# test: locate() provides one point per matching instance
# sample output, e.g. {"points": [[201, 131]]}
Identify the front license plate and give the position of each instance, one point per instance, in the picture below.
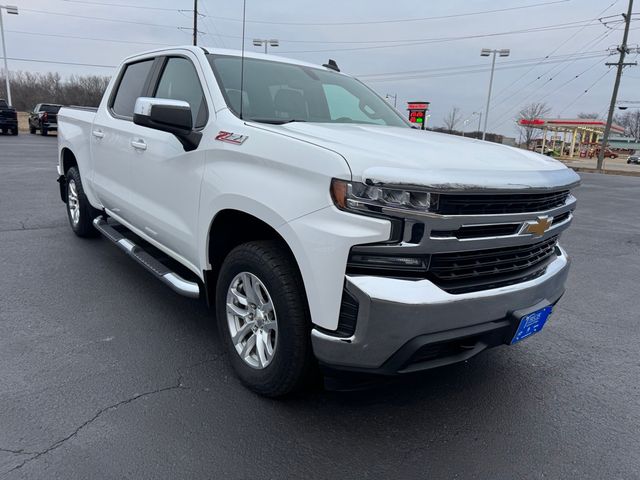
{"points": [[531, 323]]}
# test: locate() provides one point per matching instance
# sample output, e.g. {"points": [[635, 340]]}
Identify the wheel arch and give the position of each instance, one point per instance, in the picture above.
{"points": [[67, 160], [230, 228]]}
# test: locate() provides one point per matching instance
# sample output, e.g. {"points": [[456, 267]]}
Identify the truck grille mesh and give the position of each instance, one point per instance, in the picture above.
{"points": [[463, 272], [470, 204]]}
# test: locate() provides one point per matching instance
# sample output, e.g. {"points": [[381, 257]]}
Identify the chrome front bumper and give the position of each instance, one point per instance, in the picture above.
{"points": [[396, 317]]}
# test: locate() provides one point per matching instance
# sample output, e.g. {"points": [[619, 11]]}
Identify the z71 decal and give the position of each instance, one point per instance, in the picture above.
{"points": [[229, 137]]}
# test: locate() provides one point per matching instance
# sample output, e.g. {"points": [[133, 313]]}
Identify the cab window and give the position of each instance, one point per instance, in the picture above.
{"points": [[131, 87], [179, 81]]}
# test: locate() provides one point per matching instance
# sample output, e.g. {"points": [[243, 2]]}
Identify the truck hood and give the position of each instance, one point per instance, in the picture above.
{"points": [[406, 156]]}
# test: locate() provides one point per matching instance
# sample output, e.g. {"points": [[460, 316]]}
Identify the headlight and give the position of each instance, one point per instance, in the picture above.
{"points": [[366, 198]]}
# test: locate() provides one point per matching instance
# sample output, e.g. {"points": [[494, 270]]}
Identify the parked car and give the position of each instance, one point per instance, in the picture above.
{"points": [[608, 153], [546, 151], [8, 118], [44, 117], [322, 228], [634, 159]]}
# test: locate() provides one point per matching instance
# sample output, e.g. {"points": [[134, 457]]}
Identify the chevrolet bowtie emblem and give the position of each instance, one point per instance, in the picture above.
{"points": [[538, 227]]}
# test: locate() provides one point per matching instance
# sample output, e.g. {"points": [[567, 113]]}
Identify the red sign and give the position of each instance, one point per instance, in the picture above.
{"points": [[416, 116], [418, 105]]}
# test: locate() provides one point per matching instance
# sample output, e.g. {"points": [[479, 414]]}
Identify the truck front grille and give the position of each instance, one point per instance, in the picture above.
{"points": [[463, 272], [486, 204]]}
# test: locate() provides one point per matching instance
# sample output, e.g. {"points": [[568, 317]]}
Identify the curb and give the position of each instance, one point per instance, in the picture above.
{"points": [[605, 172]]}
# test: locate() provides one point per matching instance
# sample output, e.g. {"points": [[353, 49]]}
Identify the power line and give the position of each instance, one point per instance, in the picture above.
{"points": [[101, 18], [526, 60], [554, 75], [560, 45], [122, 5], [404, 20], [87, 38], [594, 42], [572, 102], [507, 118], [17, 59], [469, 71], [437, 39], [209, 19], [506, 113]]}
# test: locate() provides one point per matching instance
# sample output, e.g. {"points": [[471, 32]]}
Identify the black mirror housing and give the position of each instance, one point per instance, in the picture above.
{"points": [[171, 116]]}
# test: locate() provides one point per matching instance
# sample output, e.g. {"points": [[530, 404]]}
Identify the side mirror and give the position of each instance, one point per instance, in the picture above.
{"points": [[172, 116]]}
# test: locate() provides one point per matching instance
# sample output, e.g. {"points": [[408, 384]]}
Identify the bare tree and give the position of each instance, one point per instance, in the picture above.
{"points": [[452, 119], [587, 115], [630, 121], [531, 112], [29, 89]]}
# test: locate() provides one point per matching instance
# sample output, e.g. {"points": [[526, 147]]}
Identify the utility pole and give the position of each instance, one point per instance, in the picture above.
{"points": [[11, 10], [195, 22], [623, 51]]}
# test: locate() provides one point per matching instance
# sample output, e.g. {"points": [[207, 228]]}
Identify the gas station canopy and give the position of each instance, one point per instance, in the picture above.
{"points": [[581, 134], [585, 124]]}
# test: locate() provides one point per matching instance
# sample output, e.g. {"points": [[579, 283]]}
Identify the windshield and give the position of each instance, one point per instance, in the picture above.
{"points": [[276, 92], [50, 108]]}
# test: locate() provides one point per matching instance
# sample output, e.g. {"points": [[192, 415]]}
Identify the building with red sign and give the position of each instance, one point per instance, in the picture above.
{"points": [[578, 134]]}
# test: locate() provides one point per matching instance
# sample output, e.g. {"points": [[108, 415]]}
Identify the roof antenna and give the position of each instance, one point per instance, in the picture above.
{"points": [[244, 16], [332, 65]]}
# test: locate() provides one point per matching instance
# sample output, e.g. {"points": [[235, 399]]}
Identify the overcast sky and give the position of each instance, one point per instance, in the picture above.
{"points": [[366, 38]]}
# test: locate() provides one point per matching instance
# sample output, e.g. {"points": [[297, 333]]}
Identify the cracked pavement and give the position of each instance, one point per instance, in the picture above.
{"points": [[105, 373]]}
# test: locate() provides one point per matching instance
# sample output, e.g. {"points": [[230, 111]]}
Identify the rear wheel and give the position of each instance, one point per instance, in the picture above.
{"points": [[79, 210], [4, 131], [263, 318], [14, 131]]}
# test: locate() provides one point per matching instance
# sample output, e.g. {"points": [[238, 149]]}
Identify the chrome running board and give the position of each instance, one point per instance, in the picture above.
{"points": [[159, 270]]}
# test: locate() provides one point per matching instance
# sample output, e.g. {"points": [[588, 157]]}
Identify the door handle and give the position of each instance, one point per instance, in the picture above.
{"points": [[98, 133], [139, 144]]}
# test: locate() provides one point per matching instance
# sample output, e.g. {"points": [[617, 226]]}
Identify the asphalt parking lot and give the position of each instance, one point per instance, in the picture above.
{"points": [[105, 373]]}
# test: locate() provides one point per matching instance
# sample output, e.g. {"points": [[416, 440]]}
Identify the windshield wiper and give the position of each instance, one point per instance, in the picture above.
{"points": [[274, 121]]}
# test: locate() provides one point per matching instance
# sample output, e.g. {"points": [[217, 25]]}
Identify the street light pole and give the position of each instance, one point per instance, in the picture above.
{"points": [[11, 10], [485, 52], [479, 119], [258, 42]]}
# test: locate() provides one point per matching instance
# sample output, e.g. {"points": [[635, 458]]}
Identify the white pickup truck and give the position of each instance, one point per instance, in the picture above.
{"points": [[324, 229]]}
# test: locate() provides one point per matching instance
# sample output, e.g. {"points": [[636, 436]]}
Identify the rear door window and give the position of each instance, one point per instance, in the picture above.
{"points": [[131, 87]]}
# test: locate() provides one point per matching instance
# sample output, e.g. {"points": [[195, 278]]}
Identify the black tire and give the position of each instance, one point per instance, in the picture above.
{"points": [[83, 227], [14, 131], [4, 131], [292, 362], [32, 130], [43, 132]]}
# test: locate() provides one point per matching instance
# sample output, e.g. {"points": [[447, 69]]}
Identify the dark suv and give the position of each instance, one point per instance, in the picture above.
{"points": [[44, 117], [8, 118], [634, 159]]}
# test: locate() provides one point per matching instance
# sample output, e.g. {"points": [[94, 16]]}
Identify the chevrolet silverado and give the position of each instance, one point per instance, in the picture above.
{"points": [[321, 227]]}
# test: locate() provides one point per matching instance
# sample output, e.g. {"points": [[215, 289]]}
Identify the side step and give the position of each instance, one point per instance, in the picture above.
{"points": [[160, 271]]}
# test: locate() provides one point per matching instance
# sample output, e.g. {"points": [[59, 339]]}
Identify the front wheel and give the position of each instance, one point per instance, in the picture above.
{"points": [[263, 318], [43, 132], [79, 210]]}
